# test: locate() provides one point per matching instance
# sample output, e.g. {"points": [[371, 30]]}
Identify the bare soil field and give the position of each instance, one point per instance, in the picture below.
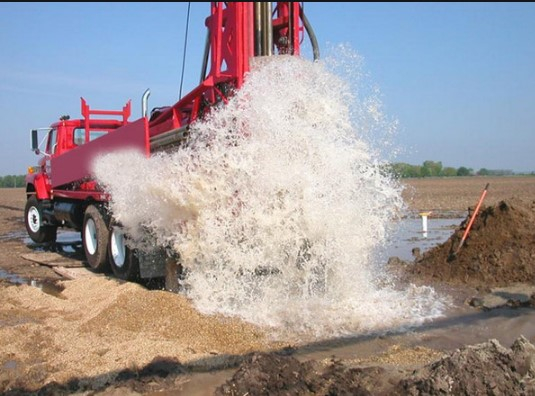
{"points": [[95, 335], [457, 194]]}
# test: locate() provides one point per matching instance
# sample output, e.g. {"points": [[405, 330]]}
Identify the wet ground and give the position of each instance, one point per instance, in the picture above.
{"points": [[413, 234], [35, 326]]}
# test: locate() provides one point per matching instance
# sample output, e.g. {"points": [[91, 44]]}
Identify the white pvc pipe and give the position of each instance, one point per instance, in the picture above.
{"points": [[424, 222]]}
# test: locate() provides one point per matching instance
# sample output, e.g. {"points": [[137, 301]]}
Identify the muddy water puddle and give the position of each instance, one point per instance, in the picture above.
{"points": [[463, 326], [47, 287], [69, 242], [13, 235], [417, 233]]}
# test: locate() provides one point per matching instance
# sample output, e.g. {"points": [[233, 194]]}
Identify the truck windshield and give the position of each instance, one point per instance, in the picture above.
{"points": [[79, 135]]}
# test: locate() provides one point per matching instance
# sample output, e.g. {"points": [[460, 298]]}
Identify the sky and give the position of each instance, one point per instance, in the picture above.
{"points": [[459, 78]]}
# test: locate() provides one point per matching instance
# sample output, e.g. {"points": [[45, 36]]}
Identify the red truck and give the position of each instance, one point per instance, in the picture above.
{"points": [[61, 191]]}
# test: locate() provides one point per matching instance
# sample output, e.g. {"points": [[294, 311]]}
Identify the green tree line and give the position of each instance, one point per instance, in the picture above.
{"points": [[10, 181], [435, 169]]}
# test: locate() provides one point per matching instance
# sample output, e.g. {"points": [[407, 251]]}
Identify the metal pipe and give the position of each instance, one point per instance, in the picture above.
{"points": [[291, 29], [268, 29], [263, 28], [169, 138], [258, 29], [145, 102]]}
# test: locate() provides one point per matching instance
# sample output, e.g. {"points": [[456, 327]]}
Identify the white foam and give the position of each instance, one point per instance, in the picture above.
{"points": [[277, 206]]}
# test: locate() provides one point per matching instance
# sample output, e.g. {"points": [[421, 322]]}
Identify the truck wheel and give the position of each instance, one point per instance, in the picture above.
{"points": [[33, 219], [123, 260], [95, 239]]}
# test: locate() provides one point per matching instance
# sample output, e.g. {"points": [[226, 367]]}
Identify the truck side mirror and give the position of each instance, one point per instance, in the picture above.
{"points": [[35, 142]]}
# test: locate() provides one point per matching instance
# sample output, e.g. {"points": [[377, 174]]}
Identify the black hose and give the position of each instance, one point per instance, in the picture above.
{"points": [[311, 34]]}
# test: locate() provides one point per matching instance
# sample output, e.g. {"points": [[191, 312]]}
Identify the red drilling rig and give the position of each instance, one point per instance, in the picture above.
{"points": [[61, 191]]}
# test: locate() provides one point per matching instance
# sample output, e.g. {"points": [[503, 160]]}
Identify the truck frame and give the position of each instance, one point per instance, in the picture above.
{"points": [[61, 191]]}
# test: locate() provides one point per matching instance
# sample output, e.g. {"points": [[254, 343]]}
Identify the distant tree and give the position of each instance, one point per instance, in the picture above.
{"points": [[463, 171], [432, 168], [501, 172], [425, 171], [416, 171], [10, 181], [449, 171], [401, 169]]}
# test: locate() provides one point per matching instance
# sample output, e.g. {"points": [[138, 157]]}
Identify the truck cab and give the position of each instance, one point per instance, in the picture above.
{"points": [[66, 136], [60, 191]]}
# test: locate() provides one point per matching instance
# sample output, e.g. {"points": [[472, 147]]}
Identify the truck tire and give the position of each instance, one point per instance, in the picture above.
{"points": [[95, 238], [123, 260], [33, 219]]}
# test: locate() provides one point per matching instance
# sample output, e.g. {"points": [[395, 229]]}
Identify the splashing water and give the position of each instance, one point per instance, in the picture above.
{"points": [[276, 207]]}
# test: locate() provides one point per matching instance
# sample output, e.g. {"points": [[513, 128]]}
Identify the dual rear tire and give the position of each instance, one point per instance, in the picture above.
{"points": [[95, 236], [123, 260], [105, 246]]}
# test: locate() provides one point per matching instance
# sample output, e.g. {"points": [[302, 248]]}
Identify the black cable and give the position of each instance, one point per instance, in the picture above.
{"points": [[184, 55]]}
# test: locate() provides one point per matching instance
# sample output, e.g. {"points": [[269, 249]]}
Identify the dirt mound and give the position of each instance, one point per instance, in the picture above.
{"points": [[484, 369], [487, 368], [273, 374], [498, 251]]}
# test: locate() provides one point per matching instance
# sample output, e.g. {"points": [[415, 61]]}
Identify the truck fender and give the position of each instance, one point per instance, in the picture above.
{"points": [[42, 186]]}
